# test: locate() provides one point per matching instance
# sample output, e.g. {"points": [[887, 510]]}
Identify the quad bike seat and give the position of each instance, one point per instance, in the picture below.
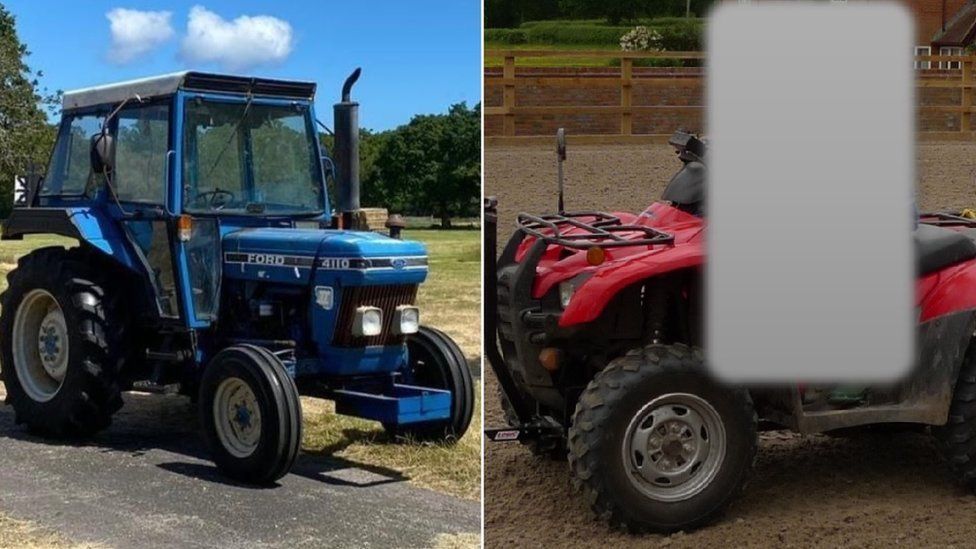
{"points": [[938, 247]]}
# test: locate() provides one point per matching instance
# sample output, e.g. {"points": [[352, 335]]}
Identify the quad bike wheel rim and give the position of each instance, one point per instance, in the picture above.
{"points": [[40, 345], [674, 447], [237, 417]]}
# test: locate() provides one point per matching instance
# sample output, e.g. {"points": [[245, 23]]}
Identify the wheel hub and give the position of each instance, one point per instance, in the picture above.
{"points": [[674, 446], [237, 417], [40, 345], [50, 344]]}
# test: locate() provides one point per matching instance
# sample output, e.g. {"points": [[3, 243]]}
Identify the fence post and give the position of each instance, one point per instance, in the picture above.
{"points": [[626, 95], [508, 99], [965, 117]]}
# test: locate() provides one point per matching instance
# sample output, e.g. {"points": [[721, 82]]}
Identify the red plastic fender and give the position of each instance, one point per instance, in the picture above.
{"points": [[590, 299], [948, 291]]}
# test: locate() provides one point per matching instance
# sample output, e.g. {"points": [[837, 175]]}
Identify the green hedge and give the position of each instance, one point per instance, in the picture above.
{"points": [[506, 36], [677, 33]]}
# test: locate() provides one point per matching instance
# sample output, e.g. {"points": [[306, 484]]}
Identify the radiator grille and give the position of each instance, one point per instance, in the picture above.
{"points": [[387, 298]]}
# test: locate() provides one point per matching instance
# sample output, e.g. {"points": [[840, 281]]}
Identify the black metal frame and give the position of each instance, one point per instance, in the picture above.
{"points": [[603, 232], [531, 426]]}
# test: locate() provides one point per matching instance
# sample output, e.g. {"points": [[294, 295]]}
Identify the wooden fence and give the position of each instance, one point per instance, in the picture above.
{"points": [[945, 72]]}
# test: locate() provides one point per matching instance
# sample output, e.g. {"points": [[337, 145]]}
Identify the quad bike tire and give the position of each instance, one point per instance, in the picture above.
{"points": [[657, 445], [554, 449], [251, 414], [63, 341], [436, 361], [957, 438]]}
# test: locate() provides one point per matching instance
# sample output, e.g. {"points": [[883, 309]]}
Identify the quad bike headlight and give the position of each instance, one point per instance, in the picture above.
{"points": [[406, 320], [367, 322], [568, 288]]}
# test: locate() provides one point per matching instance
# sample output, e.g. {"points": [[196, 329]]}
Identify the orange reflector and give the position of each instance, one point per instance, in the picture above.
{"points": [[184, 227], [550, 357], [596, 255]]}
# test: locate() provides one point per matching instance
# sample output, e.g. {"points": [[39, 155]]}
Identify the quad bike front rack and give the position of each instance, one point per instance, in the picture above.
{"points": [[605, 230]]}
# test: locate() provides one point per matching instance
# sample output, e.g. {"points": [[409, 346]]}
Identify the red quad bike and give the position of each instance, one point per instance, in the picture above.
{"points": [[594, 333]]}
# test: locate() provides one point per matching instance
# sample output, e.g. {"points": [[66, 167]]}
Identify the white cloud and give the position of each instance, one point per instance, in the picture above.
{"points": [[243, 43], [136, 33]]}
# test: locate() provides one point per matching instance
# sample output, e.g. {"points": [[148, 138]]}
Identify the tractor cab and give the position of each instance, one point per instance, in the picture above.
{"points": [[200, 205], [179, 162]]}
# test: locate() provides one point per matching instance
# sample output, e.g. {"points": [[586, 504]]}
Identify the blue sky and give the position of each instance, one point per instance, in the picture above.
{"points": [[417, 56]]}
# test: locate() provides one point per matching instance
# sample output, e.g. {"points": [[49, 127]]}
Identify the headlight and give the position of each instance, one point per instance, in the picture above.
{"points": [[566, 290], [406, 320], [367, 322]]}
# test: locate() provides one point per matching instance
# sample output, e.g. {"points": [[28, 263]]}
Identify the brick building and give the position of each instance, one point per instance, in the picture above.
{"points": [[943, 27]]}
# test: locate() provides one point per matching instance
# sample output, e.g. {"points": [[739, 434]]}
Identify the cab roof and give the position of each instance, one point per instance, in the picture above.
{"points": [[168, 84]]}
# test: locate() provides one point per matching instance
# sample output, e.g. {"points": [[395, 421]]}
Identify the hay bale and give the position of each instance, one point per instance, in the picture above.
{"points": [[371, 219]]}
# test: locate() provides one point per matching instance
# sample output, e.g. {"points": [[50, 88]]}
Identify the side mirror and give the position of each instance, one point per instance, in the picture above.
{"points": [[102, 152], [328, 166]]}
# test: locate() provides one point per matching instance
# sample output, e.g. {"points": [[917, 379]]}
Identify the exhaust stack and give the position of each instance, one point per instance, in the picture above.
{"points": [[346, 114]]}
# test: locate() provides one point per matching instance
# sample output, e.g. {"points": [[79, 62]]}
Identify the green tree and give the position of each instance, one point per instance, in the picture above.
{"points": [[615, 11], [25, 135], [431, 166]]}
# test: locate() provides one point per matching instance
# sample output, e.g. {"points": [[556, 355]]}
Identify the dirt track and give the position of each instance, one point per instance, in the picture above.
{"points": [[876, 490]]}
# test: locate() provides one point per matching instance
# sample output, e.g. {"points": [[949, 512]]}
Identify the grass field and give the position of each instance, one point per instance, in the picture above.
{"points": [[449, 300]]}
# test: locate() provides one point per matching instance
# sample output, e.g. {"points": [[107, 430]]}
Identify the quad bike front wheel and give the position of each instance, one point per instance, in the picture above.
{"points": [[63, 342], [656, 445], [251, 414], [436, 361]]}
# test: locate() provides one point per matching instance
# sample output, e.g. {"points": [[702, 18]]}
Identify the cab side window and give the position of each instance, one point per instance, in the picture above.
{"points": [[72, 161], [141, 145]]}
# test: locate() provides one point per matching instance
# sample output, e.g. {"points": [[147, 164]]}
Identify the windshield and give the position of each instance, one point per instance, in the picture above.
{"points": [[248, 158]]}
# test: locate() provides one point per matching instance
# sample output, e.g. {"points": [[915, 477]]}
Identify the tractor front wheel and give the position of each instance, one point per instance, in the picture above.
{"points": [[436, 361], [62, 343], [657, 445], [251, 414]]}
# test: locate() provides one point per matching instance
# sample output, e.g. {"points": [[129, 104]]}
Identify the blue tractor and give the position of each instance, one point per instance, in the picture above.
{"points": [[209, 259]]}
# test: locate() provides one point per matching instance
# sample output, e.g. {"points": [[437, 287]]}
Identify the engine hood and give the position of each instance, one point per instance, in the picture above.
{"points": [[295, 255]]}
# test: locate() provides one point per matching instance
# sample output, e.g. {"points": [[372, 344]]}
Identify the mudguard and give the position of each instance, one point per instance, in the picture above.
{"points": [[948, 291], [84, 224], [594, 294]]}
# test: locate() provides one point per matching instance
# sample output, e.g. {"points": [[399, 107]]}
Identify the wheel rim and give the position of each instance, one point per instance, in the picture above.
{"points": [[237, 417], [40, 345], [674, 447]]}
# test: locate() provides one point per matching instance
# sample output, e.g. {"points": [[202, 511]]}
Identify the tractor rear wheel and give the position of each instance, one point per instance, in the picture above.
{"points": [[63, 343], [436, 361], [251, 414], [656, 445]]}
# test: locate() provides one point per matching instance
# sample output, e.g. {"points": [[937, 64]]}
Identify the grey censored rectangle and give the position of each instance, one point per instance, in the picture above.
{"points": [[810, 271]]}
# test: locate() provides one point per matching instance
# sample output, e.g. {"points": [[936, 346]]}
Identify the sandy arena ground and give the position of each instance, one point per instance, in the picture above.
{"points": [[872, 491]]}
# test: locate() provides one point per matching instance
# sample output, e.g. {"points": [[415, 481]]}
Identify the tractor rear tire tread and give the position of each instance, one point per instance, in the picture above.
{"points": [[90, 393]]}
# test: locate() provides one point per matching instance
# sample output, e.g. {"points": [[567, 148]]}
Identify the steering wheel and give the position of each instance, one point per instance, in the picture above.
{"points": [[212, 201]]}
